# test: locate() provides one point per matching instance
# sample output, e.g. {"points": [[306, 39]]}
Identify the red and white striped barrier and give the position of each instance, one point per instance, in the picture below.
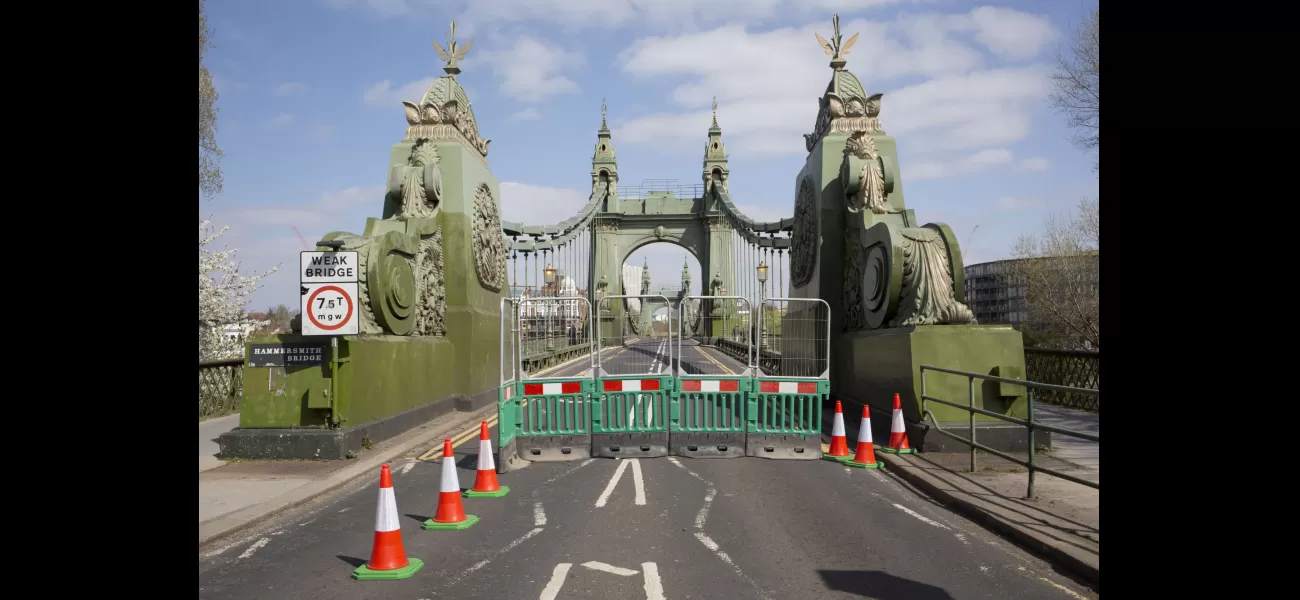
{"points": [[787, 387], [710, 385], [388, 558], [549, 389], [631, 385]]}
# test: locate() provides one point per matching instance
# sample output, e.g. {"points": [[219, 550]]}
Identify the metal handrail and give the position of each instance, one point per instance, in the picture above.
{"points": [[1027, 423]]}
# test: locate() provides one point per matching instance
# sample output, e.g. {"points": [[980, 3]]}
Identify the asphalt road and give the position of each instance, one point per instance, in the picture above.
{"points": [[650, 356], [659, 528]]}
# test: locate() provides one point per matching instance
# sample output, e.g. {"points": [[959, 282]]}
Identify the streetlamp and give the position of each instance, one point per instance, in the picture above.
{"points": [[762, 289], [549, 272]]}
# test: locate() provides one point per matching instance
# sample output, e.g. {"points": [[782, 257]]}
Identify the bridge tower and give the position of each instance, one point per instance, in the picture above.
{"points": [[715, 157], [604, 165]]}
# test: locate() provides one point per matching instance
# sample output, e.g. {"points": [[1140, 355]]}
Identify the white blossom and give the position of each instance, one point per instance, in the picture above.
{"points": [[223, 296]]}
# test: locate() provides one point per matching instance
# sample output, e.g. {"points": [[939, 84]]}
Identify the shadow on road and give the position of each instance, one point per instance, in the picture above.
{"points": [[418, 518], [470, 461], [881, 586], [352, 560]]}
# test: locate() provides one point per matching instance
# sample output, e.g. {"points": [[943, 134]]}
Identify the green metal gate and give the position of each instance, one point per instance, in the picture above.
{"points": [[632, 377], [708, 406], [792, 358], [546, 416]]}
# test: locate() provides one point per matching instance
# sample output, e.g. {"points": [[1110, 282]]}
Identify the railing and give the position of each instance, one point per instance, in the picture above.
{"points": [[638, 192], [221, 387], [1073, 368], [1028, 423]]}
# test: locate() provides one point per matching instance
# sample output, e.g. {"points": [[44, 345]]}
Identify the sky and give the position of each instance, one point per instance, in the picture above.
{"points": [[311, 92]]}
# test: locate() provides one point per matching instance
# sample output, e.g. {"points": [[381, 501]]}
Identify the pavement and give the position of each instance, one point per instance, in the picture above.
{"points": [[601, 528], [209, 430]]}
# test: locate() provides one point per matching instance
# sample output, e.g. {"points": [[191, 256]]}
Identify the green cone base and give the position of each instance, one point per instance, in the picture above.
{"points": [[505, 489], [858, 465], [469, 521], [829, 457], [364, 573], [893, 451]]}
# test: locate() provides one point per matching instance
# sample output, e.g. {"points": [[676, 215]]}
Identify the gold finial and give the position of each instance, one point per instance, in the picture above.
{"points": [[453, 54], [834, 49]]}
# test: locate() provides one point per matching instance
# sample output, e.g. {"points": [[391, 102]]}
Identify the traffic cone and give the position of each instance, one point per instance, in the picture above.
{"points": [[451, 514], [839, 443], [485, 484], [866, 455], [388, 559], [897, 432]]}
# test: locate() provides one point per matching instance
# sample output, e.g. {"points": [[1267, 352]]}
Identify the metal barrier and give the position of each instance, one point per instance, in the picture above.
{"points": [[633, 379], [708, 407], [545, 415], [1029, 423], [784, 411]]}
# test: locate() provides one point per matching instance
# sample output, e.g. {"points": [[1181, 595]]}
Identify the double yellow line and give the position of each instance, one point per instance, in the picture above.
{"points": [[713, 360], [435, 453]]}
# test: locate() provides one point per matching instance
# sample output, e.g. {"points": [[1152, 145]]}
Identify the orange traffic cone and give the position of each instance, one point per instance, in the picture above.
{"points": [[485, 484], [839, 443], [866, 455], [451, 514], [387, 557], [897, 432]]}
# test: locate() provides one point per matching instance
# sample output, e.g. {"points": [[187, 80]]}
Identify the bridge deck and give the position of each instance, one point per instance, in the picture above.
{"points": [[649, 357]]}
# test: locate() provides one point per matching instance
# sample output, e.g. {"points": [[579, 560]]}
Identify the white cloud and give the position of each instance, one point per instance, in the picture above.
{"points": [[537, 205], [315, 216], [1011, 203], [527, 114], [289, 88], [530, 70], [1036, 164], [281, 120], [974, 163], [767, 84], [577, 14], [1011, 34], [384, 95]]}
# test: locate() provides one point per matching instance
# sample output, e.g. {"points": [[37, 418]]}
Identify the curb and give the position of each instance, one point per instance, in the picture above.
{"points": [[1053, 550], [229, 524]]}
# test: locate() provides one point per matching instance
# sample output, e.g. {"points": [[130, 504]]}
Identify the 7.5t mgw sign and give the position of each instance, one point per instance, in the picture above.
{"points": [[329, 293]]}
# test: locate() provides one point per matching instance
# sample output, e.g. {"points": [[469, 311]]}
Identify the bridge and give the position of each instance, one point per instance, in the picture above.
{"points": [[464, 314]]}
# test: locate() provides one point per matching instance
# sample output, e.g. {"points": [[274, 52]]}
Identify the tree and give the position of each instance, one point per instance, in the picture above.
{"points": [[1076, 85], [1061, 272], [279, 317], [223, 296], [209, 153]]}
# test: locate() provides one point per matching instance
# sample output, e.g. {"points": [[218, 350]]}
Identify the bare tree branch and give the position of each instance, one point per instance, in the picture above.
{"points": [[1076, 85], [1061, 271], [209, 154]]}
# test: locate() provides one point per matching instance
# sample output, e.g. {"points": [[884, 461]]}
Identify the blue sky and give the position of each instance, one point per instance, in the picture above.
{"points": [[311, 95]]}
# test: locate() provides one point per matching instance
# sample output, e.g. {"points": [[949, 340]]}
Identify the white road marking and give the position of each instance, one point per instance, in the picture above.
{"points": [[713, 546], [251, 549], [553, 586], [406, 468], [570, 471], [1062, 588], [704, 510], [922, 518], [600, 566], [343, 510], [483, 563], [613, 481], [539, 515], [638, 482], [654, 588], [984, 569], [962, 537]]}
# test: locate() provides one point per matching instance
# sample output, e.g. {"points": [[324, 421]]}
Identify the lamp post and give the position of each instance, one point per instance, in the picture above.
{"points": [[762, 290], [549, 272]]}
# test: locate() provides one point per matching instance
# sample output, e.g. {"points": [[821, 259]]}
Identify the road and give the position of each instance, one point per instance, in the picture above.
{"points": [[660, 528], [650, 356]]}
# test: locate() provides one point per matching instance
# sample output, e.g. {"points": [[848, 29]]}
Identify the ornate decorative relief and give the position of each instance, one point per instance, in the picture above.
{"points": [[854, 262], [928, 297], [489, 245], [433, 298], [450, 121], [660, 232], [871, 189], [845, 107], [607, 227], [420, 182], [717, 224], [804, 242]]}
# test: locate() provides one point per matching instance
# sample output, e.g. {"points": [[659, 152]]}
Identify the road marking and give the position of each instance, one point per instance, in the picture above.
{"points": [[406, 468], [717, 551], [922, 518], [435, 453], [483, 563], [654, 588], [539, 515], [552, 589], [251, 549], [600, 566], [713, 360], [962, 538], [1062, 588], [637, 482], [345, 509], [567, 473], [703, 515]]}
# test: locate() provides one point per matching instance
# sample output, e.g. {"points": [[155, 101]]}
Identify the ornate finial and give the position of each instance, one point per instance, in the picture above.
{"points": [[602, 114], [454, 53], [836, 51], [715, 111]]}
